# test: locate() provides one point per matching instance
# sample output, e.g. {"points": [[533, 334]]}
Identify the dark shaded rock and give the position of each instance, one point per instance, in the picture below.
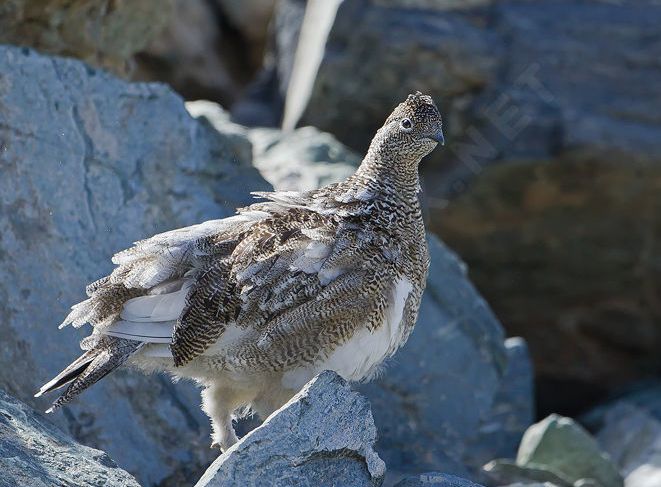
{"points": [[543, 243], [575, 200], [436, 51], [89, 164], [104, 33], [629, 430], [435, 479], [324, 435], [263, 102], [209, 49], [34, 452], [512, 410]]}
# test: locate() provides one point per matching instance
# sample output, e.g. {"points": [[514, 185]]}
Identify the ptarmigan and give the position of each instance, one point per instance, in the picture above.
{"points": [[253, 306]]}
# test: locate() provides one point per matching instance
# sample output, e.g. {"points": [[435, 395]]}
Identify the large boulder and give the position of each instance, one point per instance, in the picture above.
{"points": [[90, 164], [103, 33], [324, 435], [434, 49], [297, 160], [263, 103], [209, 49], [543, 242], [567, 162], [34, 452]]}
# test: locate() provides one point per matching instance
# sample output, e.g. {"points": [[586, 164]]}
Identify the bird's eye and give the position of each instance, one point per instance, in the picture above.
{"points": [[406, 124]]}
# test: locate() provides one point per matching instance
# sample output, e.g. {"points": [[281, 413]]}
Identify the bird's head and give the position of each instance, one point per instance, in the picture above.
{"points": [[412, 130]]}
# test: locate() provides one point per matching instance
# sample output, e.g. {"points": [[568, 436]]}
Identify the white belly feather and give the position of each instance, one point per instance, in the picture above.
{"points": [[359, 357]]}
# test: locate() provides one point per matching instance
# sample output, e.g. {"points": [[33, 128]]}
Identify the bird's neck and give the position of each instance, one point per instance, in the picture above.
{"points": [[390, 174]]}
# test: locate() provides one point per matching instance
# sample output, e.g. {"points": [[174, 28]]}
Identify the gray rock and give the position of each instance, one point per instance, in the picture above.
{"points": [[100, 32], [565, 448], [552, 189], [477, 52], [645, 396], [434, 50], [513, 409], [502, 472], [34, 452], [302, 159], [435, 479], [632, 437], [90, 164], [324, 435]]}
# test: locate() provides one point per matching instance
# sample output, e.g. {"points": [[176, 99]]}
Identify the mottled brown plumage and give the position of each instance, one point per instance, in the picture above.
{"points": [[254, 305]]}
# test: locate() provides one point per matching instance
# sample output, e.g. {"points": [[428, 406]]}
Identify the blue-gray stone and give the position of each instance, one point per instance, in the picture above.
{"points": [[324, 435], [34, 452]]}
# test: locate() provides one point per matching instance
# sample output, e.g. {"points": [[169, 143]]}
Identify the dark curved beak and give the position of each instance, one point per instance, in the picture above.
{"points": [[438, 137]]}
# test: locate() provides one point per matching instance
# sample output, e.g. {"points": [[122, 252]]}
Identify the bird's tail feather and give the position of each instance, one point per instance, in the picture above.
{"points": [[108, 354]]}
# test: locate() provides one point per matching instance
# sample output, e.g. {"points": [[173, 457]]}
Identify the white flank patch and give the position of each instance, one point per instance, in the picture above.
{"points": [[360, 356]]}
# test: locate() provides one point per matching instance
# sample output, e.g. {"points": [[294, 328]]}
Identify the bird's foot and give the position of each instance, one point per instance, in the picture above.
{"points": [[222, 446], [224, 442]]}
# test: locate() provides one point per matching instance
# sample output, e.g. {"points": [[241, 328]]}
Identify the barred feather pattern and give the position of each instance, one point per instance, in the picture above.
{"points": [[108, 354], [294, 276]]}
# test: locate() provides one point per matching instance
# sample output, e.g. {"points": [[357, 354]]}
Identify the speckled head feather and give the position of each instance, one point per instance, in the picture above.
{"points": [[419, 108], [411, 131]]}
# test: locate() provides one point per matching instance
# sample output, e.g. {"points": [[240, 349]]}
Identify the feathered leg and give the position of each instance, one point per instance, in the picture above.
{"points": [[220, 402]]}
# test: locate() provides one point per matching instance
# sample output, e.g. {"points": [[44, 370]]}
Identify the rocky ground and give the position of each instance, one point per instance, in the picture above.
{"points": [[549, 189]]}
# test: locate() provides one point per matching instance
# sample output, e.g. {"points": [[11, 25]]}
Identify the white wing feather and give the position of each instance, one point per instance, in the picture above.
{"points": [[151, 318], [153, 308]]}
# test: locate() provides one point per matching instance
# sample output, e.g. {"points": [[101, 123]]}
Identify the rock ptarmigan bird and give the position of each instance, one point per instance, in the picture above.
{"points": [[255, 305]]}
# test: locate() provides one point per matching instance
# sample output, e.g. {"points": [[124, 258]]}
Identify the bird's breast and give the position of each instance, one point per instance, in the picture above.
{"points": [[359, 357]]}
